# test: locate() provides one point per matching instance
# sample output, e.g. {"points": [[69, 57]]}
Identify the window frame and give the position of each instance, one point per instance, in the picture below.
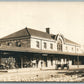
{"points": [[18, 45], [66, 48], [37, 44], [72, 48], [9, 43], [51, 46], [45, 45], [77, 49], [0, 44], [59, 45]]}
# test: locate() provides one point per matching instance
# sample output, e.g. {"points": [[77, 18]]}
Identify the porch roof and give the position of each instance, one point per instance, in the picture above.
{"points": [[30, 50]]}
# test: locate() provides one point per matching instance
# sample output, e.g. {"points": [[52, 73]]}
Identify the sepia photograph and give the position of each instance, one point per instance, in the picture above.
{"points": [[41, 41]]}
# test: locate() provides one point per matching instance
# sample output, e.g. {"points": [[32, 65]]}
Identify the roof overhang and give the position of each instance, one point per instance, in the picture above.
{"points": [[30, 50]]}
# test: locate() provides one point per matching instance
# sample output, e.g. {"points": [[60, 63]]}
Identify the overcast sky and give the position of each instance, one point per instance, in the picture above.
{"points": [[62, 17]]}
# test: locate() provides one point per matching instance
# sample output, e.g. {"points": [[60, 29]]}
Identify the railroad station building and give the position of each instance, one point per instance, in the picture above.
{"points": [[29, 48]]}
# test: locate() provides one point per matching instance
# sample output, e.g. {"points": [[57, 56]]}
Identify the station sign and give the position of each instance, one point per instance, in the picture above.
{"points": [[44, 54]]}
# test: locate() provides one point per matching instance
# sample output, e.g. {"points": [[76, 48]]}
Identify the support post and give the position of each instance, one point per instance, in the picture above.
{"points": [[78, 60], [0, 60], [21, 62], [41, 62], [55, 60]]}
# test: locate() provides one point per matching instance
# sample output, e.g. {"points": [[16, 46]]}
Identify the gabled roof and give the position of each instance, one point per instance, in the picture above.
{"points": [[27, 31]]}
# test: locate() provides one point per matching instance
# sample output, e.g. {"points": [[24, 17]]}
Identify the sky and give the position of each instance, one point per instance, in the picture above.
{"points": [[66, 18]]}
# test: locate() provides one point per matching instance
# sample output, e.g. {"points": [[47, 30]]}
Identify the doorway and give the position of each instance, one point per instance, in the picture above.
{"points": [[45, 61]]}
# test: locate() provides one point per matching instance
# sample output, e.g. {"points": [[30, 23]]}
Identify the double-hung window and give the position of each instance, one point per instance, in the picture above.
{"points": [[37, 44], [45, 45], [51, 46]]}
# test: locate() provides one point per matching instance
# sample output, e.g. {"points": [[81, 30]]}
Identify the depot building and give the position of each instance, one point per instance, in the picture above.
{"points": [[29, 48]]}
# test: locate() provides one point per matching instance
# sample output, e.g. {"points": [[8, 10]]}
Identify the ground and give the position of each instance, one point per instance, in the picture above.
{"points": [[43, 76]]}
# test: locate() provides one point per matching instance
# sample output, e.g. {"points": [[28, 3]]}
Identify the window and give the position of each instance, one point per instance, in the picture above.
{"points": [[59, 45], [77, 49], [66, 48], [45, 45], [37, 44], [51, 46], [9, 44], [18, 44], [72, 48]]}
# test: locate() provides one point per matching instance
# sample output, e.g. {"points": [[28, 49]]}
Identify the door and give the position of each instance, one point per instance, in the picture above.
{"points": [[45, 61]]}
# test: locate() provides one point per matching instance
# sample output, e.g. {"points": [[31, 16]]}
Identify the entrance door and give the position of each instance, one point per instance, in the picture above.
{"points": [[45, 61]]}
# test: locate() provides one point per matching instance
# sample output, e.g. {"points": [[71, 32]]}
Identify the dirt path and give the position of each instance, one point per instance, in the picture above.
{"points": [[40, 75]]}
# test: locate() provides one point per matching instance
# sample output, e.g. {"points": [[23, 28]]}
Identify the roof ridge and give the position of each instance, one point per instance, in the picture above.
{"points": [[37, 30]]}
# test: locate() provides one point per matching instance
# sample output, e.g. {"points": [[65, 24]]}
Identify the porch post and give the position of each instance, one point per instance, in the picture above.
{"points": [[21, 62], [41, 61], [0, 60], [78, 60]]}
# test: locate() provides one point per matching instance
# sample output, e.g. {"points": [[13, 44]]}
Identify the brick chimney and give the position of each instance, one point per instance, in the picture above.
{"points": [[48, 30]]}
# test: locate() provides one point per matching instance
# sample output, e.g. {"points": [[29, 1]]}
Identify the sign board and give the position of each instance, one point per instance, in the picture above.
{"points": [[44, 54]]}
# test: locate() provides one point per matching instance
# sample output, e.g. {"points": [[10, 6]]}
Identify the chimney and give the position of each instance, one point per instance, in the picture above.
{"points": [[48, 30]]}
